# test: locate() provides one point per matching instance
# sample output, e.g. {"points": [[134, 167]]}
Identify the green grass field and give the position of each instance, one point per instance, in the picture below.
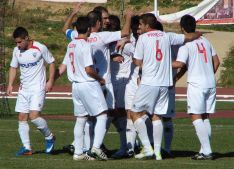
{"points": [[185, 144]]}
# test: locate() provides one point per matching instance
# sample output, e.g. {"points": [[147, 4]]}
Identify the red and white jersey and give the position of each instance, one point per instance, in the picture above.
{"points": [[32, 65], [197, 55], [101, 53], [78, 56], [154, 49]]}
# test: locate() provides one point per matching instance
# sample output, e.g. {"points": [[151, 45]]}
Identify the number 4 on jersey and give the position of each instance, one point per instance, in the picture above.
{"points": [[202, 50]]}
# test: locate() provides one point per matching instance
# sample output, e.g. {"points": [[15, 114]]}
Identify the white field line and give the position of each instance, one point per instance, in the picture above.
{"points": [[68, 96]]}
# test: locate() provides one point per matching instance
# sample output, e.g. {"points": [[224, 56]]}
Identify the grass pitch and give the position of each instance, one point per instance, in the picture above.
{"points": [[184, 145]]}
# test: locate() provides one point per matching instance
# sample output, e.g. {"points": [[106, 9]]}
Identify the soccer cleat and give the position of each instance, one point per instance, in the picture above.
{"points": [[69, 148], [130, 153], [49, 145], [24, 151], [145, 154], [98, 153], [158, 156], [119, 154], [201, 156], [83, 156]]}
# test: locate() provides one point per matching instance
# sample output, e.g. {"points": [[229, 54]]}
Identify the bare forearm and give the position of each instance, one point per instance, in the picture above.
{"points": [[137, 62], [12, 75], [126, 28], [51, 72], [181, 73], [68, 22], [216, 63], [92, 73]]}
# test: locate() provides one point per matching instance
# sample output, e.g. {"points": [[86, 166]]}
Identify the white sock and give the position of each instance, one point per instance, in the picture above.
{"points": [[43, 127], [208, 128], [88, 134], [121, 123], [100, 130], [168, 135], [24, 134], [142, 133], [130, 135], [157, 133], [202, 136], [79, 135]]}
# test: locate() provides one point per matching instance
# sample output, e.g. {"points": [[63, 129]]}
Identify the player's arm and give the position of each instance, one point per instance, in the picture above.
{"points": [[70, 18], [137, 62], [92, 73], [126, 28], [50, 81], [181, 73], [11, 79], [60, 71], [216, 63]]}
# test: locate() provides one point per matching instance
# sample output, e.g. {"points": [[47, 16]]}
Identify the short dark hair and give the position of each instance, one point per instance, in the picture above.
{"points": [[20, 32], [188, 23], [114, 23], [159, 26], [94, 16], [149, 19], [82, 24], [100, 9], [135, 25]]}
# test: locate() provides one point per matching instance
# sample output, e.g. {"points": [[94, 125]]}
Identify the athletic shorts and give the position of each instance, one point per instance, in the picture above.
{"points": [[119, 92], [29, 100], [171, 104], [152, 99], [88, 99], [108, 92], [130, 92], [200, 100]]}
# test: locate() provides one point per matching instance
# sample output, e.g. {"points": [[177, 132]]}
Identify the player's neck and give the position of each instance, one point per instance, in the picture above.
{"points": [[82, 36], [30, 44], [150, 30]]}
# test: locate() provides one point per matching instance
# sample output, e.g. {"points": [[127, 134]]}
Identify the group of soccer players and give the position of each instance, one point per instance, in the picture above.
{"points": [[122, 76]]}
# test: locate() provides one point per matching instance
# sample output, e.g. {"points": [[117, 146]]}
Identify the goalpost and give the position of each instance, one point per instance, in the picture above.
{"points": [[4, 105]]}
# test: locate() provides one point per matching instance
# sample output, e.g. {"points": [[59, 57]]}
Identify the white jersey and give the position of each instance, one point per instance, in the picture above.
{"points": [[100, 47], [78, 56], [32, 65], [154, 49], [198, 57], [123, 70]]}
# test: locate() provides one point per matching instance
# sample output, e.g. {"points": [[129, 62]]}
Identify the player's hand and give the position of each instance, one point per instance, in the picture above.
{"points": [[102, 82], [77, 8], [120, 44], [49, 86], [9, 90], [129, 14], [119, 59]]}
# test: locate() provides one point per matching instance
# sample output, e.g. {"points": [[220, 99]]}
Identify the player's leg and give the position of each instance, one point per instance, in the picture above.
{"points": [[168, 131], [36, 104], [197, 107], [22, 106], [143, 101], [89, 133]]}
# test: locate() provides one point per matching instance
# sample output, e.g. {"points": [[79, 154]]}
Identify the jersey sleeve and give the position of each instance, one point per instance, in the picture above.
{"points": [[139, 51], [176, 39], [213, 52], [14, 61], [183, 54], [71, 34], [66, 59], [47, 55], [88, 60], [108, 37]]}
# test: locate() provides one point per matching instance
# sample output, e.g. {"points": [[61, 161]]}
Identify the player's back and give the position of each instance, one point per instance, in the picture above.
{"points": [[78, 57], [200, 63], [155, 48]]}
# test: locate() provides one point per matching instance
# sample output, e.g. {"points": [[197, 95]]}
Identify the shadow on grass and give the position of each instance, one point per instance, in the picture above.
{"points": [[54, 152], [223, 155]]}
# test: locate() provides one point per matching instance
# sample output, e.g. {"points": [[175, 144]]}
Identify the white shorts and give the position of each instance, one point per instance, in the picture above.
{"points": [[200, 100], [88, 99], [171, 104], [153, 99], [119, 92], [108, 92], [29, 100], [130, 92]]}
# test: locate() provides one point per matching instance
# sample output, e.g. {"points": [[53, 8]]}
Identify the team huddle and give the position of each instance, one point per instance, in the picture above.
{"points": [[122, 76]]}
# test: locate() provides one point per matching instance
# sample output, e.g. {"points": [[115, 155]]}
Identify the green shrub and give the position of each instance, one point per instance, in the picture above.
{"points": [[227, 75]]}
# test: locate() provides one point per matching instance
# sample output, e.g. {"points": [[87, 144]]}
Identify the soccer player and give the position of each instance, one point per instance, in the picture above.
{"points": [[30, 57], [105, 17], [202, 62], [87, 94], [153, 55]]}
